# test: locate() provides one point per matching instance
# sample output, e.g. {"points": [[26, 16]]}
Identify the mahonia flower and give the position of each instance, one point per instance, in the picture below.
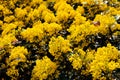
{"points": [[87, 2], [77, 59], [1, 7], [33, 14], [51, 28], [89, 56], [20, 13], [42, 8], [6, 11], [18, 53], [42, 26], [80, 10], [112, 65], [113, 11], [104, 61], [6, 40], [79, 32], [35, 2], [79, 19], [37, 31], [1, 22], [56, 46], [62, 13], [9, 18], [62, 16], [43, 69], [13, 73], [8, 28], [48, 16], [105, 22]]}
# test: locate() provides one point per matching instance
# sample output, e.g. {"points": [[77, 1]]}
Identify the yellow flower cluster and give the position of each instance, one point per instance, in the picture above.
{"points": [[104, 60], [59, 34], [52, 28], [18, 54], [63, 14], [79, 32], [30, 34], [20, 13], [7, 40], [43, 69], [56, 46], [77, 59], [105, 22], [13, 73], [8, 19], [40, 30], [8, 28]]}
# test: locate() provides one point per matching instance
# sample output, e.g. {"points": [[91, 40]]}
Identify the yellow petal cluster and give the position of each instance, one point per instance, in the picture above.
{"points": [[104, 61], [43, 69], [56, 46]]}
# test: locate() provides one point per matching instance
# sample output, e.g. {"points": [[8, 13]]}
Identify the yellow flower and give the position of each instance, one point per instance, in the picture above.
{"points": [[52, 28], [13, 73], [8, 28], [18, 53], [1, 7], [6, 11], [113, 65], [9, 18], [62, 16], [79, 19], [113, 11], [20, 13], [35, 2], [33, 14], [80, 9], [43, 68], [79, 32], [105, 22], [48, 16], [1, 23], [6, 40], [56, 46], [104, 60], [76, 61], [42, 8], [37, 31], [63, 11], [87, 2]]}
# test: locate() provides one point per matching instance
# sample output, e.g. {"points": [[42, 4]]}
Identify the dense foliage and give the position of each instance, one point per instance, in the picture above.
{"points": [[59, 39]]}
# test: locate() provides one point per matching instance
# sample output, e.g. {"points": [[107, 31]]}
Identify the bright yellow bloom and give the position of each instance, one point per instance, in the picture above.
{"points": [[104, 60], [79, 32], [51, 28], [8, 28], [48, 16], [56, 46], [113, 65], [20, 13], [9, 18], [43, 68], [76, 61], [30, 34], [18, 53], [6, 40], [105, 22], [13, 73]]}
